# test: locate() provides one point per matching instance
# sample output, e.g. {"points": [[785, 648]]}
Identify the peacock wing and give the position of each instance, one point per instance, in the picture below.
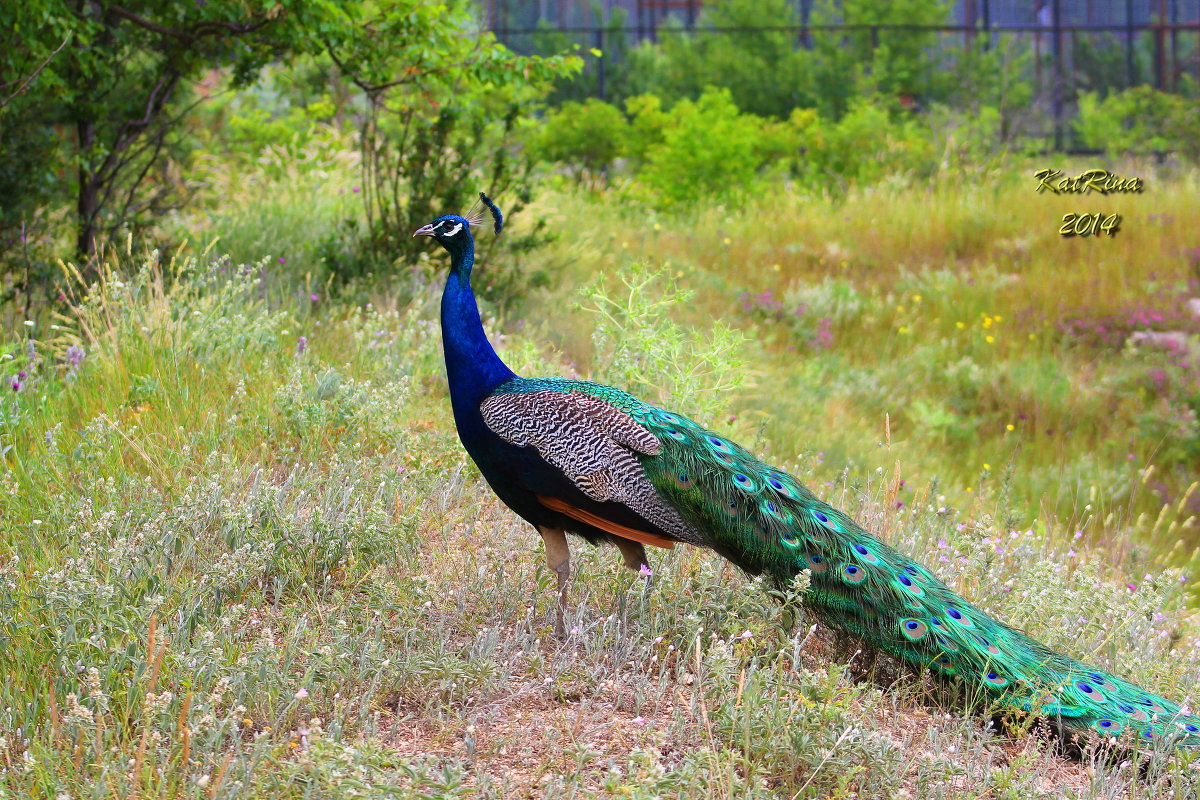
{"points": [[590, 441]]}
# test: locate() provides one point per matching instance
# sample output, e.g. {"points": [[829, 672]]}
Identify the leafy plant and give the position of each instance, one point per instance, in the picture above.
{"points": [[1140, 121], [443, 103], [638, 346], [710, 149], [586, 137]]}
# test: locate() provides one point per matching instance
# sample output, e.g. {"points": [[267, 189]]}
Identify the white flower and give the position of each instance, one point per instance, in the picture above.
{"points": [[301, 694]]}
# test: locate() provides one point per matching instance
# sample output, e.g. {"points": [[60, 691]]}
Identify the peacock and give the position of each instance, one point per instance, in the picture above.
{"points": [[588, 459]]}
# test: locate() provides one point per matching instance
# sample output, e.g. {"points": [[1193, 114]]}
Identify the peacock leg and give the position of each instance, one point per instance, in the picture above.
{"points": [[633, 552], [558, 558]]}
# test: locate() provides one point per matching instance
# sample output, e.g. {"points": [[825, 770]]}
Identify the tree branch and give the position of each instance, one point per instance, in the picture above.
{"points": [[36, 72], [202, 29]]}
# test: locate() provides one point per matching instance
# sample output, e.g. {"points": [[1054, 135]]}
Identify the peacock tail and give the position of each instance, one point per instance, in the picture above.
{"points": [[699, 487]]}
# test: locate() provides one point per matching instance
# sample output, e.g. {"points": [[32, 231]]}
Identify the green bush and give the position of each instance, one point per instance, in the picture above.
{"points": [[589, 136], [863, 146], [710, 149], [1140, 121]]}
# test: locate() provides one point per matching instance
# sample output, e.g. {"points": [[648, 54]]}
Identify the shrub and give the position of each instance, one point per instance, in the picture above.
{"points": [[863, 146], [588, 135], [1140, 121], [710, 149]]}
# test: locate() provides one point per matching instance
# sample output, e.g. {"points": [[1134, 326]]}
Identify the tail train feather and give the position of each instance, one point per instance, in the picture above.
{"points": [[765, 521]]}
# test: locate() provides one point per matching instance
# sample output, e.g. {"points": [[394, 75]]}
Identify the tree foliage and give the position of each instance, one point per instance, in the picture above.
{"points": [[94, 92]]}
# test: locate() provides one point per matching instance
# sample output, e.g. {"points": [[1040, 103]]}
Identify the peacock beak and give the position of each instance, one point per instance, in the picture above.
{"points": [[424, 230]]}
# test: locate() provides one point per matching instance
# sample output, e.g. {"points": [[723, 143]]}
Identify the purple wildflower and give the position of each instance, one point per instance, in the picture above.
{"points": [[316, 298], [645, 571], [282, 260], [301, 345], [824, 336], [75, 355]]}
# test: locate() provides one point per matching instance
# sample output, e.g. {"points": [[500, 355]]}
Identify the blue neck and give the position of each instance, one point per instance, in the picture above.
{"points": [[472, 366]]}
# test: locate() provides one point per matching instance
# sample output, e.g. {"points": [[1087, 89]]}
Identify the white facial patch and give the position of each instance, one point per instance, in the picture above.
{"points": [[453, 231]]}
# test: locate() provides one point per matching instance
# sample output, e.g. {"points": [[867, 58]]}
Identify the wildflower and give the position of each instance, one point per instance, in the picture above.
{"points": [[960, 325], [28, 323], [987, 465], [75, 355], [645, 571], [638, 721], [301, 345], [301, 694], [356, 190], [728, 241], [282, 260], [316, 298], [1010, 427], [989, 339]]}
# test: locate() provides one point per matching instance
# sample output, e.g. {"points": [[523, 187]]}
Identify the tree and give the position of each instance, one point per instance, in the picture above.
{"points": [[99, 113], [443, 100], [110, 94]]}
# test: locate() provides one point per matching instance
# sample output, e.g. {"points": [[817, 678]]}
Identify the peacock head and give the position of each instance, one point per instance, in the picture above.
{"points": [[454, 232], [447, 230]]}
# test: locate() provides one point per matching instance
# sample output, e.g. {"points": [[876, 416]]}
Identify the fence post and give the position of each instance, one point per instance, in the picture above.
{"points": [[1160, 45], [987, 25], [1057, 94], [600, 62], [1130, 75]]}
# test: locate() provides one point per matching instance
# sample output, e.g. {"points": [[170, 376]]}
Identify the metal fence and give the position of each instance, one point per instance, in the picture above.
{"points": [[1072, 45]]}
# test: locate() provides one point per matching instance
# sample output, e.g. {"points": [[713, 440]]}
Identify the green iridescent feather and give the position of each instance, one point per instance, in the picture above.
{"points": [[766, 522]]}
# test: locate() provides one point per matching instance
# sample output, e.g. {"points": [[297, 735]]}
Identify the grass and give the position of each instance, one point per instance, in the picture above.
{"points": [[243, 554]]}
